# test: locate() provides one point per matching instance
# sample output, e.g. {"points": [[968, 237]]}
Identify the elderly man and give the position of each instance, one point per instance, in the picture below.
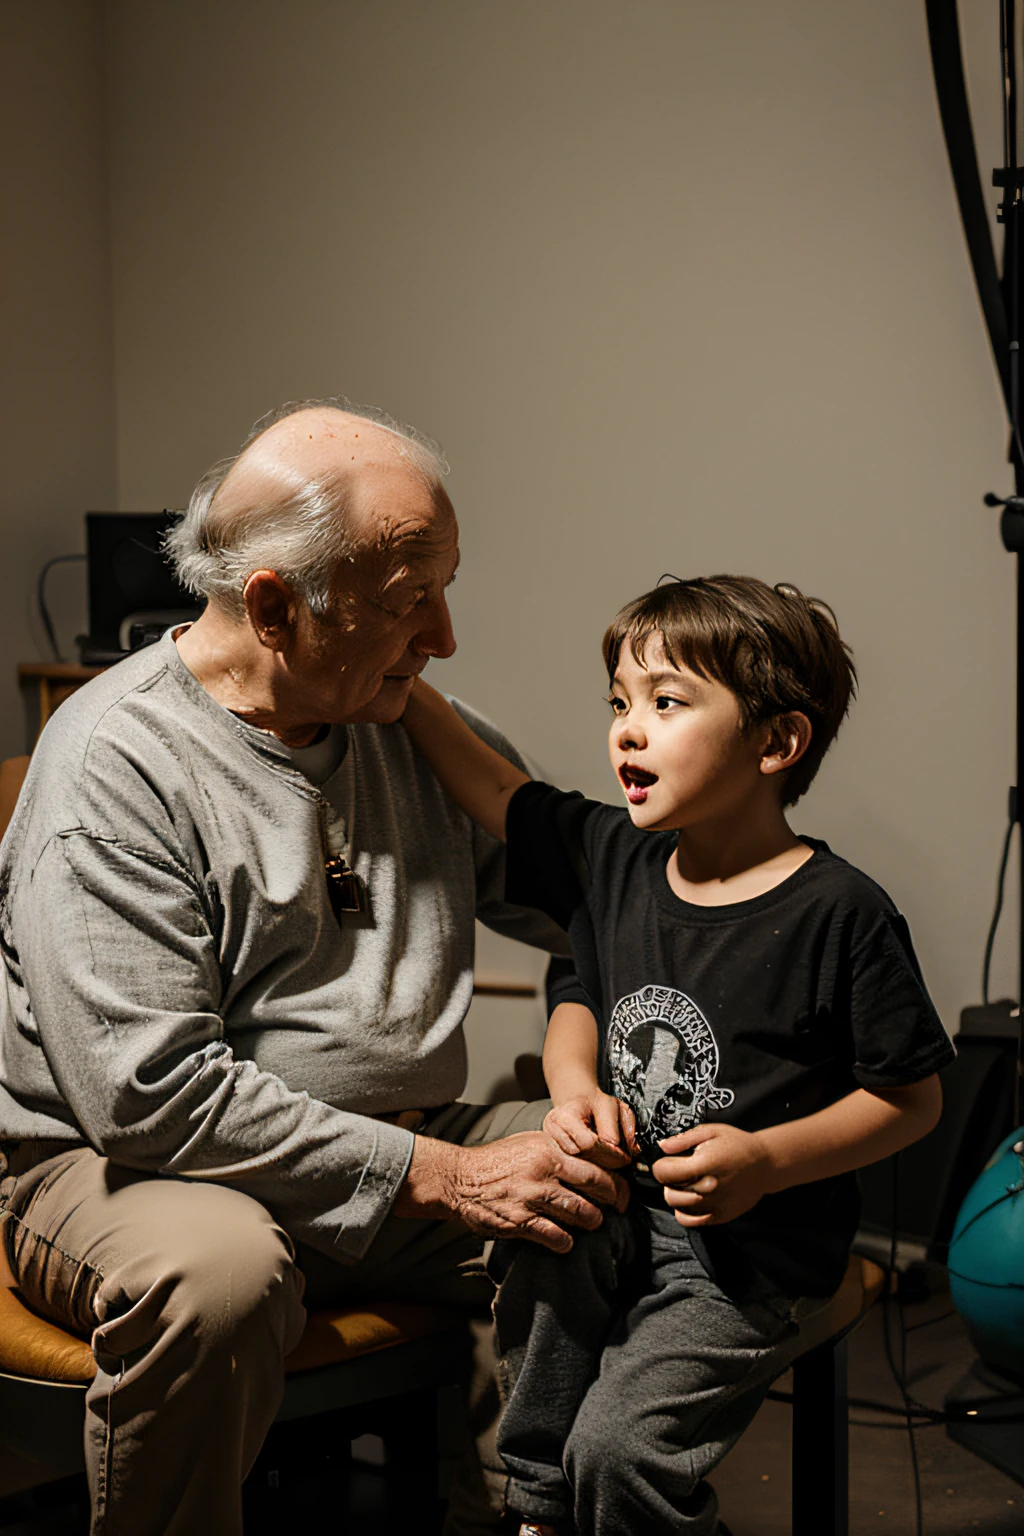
{"points": [[237, 917]]}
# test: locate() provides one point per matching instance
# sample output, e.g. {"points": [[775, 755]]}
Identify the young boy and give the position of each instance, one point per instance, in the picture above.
{"points": [[748, 1027]]}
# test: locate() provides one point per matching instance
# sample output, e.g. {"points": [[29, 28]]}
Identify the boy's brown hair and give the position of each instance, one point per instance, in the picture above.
{"points": [[775, 649]]}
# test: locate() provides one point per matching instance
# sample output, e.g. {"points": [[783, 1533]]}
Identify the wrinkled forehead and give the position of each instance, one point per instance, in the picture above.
{"points": [[420, 554], [393, 506]]}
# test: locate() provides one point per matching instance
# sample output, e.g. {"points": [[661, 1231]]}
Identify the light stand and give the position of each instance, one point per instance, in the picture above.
{"points": [[1000, 298], [984, 1402]]}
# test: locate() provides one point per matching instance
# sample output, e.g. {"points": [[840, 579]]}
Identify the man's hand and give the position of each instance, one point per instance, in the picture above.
{"points": [[595, 1126], [726, 1174], [521, 1186]]}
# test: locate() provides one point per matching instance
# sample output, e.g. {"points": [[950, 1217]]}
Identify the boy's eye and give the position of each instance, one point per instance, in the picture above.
{"points": [[618, 705], [665, 702]]}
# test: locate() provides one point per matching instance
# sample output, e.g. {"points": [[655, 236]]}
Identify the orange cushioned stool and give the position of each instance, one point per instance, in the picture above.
{"points": [[347, 1357]]}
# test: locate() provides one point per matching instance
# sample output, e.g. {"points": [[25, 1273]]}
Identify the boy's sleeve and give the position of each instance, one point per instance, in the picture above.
{"points": [[563, 985], [898, 1037], [546, 865], [515, 921]]}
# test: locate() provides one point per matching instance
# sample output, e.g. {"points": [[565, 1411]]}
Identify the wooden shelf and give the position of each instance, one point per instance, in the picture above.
{"points": [[62, 671], [56, 680], [482, 988]]}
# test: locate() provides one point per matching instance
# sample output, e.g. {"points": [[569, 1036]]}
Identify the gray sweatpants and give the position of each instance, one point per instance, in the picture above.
{"points": [[627, 1375], [192, 1296]]}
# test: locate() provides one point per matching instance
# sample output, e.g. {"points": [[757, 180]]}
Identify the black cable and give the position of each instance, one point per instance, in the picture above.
{"points": [[872, 1424], [1000, 887], [930, 1322], [1007, 44], [44, 612], [924, 1417], [900, 1376], [1011, 211]]}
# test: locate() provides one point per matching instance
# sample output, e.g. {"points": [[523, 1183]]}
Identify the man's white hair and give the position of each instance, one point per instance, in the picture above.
{"points": [[302, 536]]}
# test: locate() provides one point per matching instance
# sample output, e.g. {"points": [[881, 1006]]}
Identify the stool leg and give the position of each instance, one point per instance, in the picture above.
{"points": [[821, 1452], [452, 1435]]}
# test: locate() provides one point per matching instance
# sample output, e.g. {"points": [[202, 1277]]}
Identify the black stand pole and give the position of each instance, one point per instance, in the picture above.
{"points": [[1000, 303], [1010, 178]]}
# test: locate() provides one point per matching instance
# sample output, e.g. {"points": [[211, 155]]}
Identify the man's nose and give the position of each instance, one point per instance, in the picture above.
{"points": [[436, 638]]}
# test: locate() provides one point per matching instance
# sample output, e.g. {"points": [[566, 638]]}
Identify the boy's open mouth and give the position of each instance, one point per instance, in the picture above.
{"points": [[636, 782]]}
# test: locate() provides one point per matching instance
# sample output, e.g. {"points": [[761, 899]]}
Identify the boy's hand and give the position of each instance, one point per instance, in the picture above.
{"points": [[594, 1126], [726, 1174]]}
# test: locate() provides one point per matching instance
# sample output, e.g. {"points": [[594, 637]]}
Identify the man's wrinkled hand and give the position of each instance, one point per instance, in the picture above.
{"points": [[526, 1186], [726, 1173], [595, 1126]]}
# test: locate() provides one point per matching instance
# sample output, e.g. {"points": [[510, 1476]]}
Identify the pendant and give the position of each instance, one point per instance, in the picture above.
{"points": [[343, 886]]}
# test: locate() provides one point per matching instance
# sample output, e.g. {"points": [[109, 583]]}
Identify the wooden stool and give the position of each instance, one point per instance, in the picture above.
{"points": [[821, 1451]]}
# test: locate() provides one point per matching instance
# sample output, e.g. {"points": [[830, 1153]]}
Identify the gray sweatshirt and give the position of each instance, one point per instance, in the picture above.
{"points": [[177, 991]]}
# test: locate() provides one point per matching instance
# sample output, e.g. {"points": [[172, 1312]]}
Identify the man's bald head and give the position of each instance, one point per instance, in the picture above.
{"points": [[308, 489]]}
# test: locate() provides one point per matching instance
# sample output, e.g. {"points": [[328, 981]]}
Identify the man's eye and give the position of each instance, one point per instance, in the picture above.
{"points": [[401, 604]]}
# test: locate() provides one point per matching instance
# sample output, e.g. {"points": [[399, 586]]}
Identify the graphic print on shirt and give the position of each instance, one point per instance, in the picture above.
{"points": [[663, 1060]]}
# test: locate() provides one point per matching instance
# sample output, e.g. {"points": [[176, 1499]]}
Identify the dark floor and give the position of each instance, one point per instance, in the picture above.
{"points": [[323, 1489], [961, 1494]]}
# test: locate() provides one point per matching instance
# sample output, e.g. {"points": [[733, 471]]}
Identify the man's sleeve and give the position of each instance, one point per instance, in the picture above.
{"points": [[119, 956], [898, 1037]]}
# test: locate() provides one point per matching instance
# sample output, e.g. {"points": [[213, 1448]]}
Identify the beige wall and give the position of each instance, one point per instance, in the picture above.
{"points": [[679, 286], [677, 291], [56, 356]]}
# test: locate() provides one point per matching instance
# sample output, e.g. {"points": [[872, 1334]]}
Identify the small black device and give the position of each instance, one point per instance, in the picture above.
{"points": [[344, 886], [134, 594]]}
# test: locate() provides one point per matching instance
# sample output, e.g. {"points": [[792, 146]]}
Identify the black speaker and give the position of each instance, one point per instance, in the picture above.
{"points": [[931, 1178], [131, 582]]}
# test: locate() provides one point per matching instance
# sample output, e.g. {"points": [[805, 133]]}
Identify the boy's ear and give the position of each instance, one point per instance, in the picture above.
{"points": [[789, 740]]}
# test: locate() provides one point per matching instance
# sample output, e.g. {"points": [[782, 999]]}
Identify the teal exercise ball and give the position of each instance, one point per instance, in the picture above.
{"points": [[986, 1259]]}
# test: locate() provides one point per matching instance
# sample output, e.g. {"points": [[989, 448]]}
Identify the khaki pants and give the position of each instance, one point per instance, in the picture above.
{"points": [[192, 1296]]}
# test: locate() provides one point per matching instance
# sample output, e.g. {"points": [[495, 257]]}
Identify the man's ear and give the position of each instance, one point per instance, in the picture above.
{"points": [[271, 609], [789, 740]]}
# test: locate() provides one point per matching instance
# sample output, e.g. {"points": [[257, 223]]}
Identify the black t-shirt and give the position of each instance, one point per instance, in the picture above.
{"points": [[755, 1013]]}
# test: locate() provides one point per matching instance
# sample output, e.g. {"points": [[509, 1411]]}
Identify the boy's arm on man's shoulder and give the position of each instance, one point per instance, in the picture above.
{"points": [[478, 778]]}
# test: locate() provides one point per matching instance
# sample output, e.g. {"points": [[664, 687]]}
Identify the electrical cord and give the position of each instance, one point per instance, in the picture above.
{"points": [[1011, 211], [900, 1376], [929, 1322], [44, 612], [924, 1417], [1000, 888], [914, 1414]]}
